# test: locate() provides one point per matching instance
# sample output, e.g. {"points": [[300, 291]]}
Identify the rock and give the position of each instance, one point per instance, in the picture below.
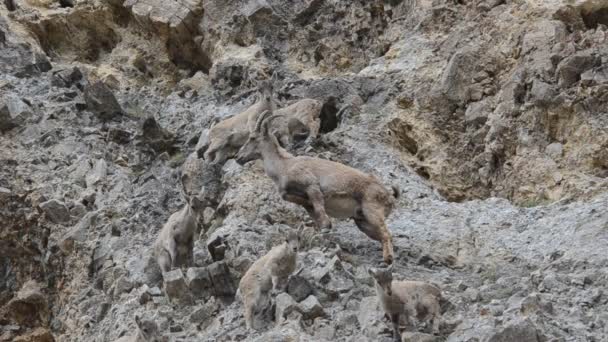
{"points": [[487, 5], [122, 285], [311, 308], [199, 282], [38, 64], [217, 247], [555, 150], [68, 77], [542, 94], [570, 69], [595, 76], [323, 329], [223, 283], [101, 101], [419, 337], [155, 137], [36, 335], [472, 294], [175, 23], [202, 144], [299, 288], [176, 288], [97, 174], [119, 136], [13, 113], [143, 294], [284, 305], [5, 195], [29, 307], [477, 113], [521, 331], [191, 177], [102, 311], [56, 211], [78, 232], [204, 313], [369, 316], [455, 81]]}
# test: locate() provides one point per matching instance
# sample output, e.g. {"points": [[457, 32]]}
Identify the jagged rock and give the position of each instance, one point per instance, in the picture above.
{"points": [[39, 63], [29, 307], [56, 211], [204, 313], [102, 311], [217, 247], [555, 150], [570, 69], [285, 305], [419, 337], [68, 77], [199, 282], [299, 288], [191, 177], [323, 329], [477, 113], [101, 101], [203, 143], [155, 137], [119, 135], [223, 283], [13, 113], [175, 23], [456, 81], [37, 335], [176, 288], [123, 285], [311, 308], [97, 174], [595, 76], [78, 232], [523, 331], [542, 94], [369, 317]]}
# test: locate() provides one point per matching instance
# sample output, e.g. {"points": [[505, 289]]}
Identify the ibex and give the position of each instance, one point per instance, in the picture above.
{"points": [[270, 272], [173, 247], [408, 298], [324, 187], [227, 137], [147, 331], [302, 120]]}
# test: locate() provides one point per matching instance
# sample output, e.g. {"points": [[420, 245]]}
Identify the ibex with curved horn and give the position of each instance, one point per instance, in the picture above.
{"points": [[324, 187]]}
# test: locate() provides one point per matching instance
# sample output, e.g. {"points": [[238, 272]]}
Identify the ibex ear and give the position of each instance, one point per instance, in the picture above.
{"points": [[274, 77], [137, 321], [371, 272]]}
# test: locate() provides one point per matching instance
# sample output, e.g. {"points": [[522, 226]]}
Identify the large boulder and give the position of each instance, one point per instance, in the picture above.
{"points": [[101, 101]]}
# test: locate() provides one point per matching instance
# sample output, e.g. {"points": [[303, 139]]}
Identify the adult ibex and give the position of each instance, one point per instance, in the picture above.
{"points": [[227, 137], [324, 187]]}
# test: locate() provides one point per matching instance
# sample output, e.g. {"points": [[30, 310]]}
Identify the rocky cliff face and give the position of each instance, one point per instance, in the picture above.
{"points": [[489, 115]]}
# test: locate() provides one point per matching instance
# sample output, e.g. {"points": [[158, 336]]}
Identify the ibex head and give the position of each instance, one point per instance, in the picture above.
{"points": [[251, 149]]}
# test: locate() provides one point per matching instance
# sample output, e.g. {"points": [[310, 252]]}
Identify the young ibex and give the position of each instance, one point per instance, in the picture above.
{"points": [[227, 137], [302, 120], [270, 272], [408, 298], [324, 187], [147, 331], [175, 242]]}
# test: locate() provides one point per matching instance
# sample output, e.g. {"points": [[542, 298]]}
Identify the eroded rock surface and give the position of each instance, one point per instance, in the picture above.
{"points": [[489, 116]]}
